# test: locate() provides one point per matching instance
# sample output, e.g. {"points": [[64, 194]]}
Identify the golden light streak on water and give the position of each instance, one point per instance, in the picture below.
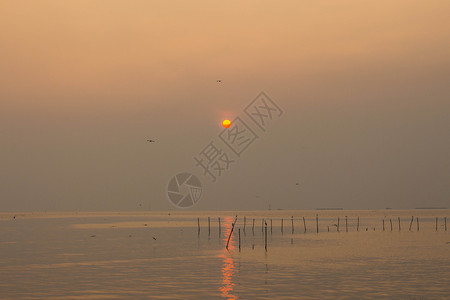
{"points": [[228, 268]]}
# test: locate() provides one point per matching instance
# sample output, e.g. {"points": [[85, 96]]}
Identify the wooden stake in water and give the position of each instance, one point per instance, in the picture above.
{"points": [[399, 226], [436, 223], [357, 225], [231, 232], [239, 240], [220, 228], [244, 223], [209, 226], [383, 224], [390, 220], [317, 223], [198, 225], [337, 228], [304, 223], [410, 224], [265, 237], [271, 226], [253, 227], [262, 225], [445, 223], [292, 224], [417, 224], [346, 225], [282, 225]]}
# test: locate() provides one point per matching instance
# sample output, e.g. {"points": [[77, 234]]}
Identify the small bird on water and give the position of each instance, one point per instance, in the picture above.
{"points": [[151, 141]]}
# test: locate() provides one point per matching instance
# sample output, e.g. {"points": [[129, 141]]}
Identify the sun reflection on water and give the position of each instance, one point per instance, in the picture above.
{"points": [[228, 268]]}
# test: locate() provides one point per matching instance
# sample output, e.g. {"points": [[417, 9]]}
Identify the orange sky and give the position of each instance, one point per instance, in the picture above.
{"points": [[82, 83]]}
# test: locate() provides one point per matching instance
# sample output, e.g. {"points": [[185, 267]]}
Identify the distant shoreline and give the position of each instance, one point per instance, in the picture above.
{"points": [[222, 213], [431, 208]]}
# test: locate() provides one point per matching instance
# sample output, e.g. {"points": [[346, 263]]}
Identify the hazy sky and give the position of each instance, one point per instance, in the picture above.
{"points": [[364, 86]]}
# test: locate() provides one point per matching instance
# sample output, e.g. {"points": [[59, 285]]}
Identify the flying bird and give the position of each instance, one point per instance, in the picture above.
{"points": [[151, 141], [219, 80]]}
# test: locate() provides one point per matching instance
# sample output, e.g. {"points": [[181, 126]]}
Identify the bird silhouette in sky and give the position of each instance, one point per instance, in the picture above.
{"points": [[151, 141], [219, 80]]}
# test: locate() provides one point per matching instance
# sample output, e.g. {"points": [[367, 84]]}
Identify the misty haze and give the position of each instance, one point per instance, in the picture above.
{"points": [[140, 136]]}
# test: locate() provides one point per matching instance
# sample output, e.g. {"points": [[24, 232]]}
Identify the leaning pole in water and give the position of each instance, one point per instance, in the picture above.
{"points": [[231, 232]]}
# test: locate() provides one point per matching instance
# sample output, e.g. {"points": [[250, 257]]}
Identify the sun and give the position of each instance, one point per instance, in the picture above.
{"points": [[226, 123]]}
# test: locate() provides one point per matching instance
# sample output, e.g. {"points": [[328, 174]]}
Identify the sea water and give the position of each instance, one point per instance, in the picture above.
{"points": [[165, 255]]}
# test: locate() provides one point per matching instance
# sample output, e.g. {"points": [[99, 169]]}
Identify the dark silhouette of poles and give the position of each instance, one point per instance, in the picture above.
{"points": [[445, 223], [198, 225], [292, 224], [346, 225], [390, 220], [304, 224], [271, 226], [282, 226], [220, 228], [262, 225], [253, 227], [231, 232], [265, 236], [417, 219], [209, 226], [239, 240], [357, 225], [337, 228], [383, 224], [436, 223], [399, 226], [317, 223], [410, 224], [244, 223]]}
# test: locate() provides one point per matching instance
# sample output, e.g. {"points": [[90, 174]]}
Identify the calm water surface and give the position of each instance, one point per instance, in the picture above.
{"points": [[164, 256]]}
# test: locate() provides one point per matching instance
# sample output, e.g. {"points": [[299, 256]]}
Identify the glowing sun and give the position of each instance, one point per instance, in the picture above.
{"points": [[226, 123]]}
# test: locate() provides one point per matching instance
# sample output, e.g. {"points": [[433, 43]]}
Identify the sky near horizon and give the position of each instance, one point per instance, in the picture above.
{"points": [[363, 85]]}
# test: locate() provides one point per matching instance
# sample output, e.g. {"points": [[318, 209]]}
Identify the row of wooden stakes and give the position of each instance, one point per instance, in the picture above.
{"points": [[337, 225], [264, 226]]}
